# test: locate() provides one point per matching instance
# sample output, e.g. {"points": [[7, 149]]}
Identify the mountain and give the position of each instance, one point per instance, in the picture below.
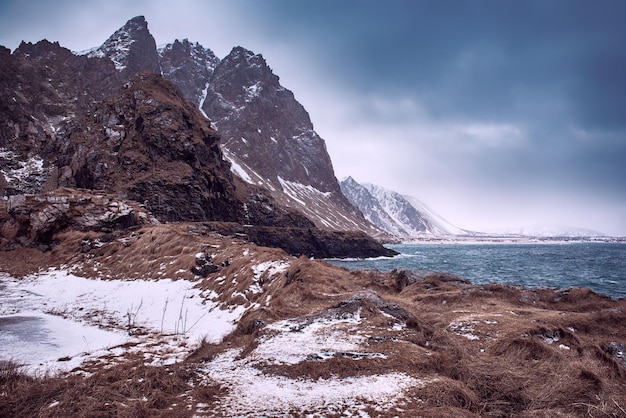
{"points": [[190, 67], [266, 134], [139, 276], [107, 120], [403, 216], [548, 231]]}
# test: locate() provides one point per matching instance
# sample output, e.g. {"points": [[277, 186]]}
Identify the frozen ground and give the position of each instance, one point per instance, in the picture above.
{"points": [[55, 320]]}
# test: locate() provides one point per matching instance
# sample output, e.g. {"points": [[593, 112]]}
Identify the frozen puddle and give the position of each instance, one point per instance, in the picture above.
{"points": [[47, 342]]}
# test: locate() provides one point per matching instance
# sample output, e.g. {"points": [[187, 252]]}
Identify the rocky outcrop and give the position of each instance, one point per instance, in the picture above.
{"points": [[318, 243], [33, 220], [150, 145], [42, 87]]}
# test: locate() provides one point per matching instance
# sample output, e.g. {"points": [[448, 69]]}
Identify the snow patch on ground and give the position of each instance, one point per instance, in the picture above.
{"points": [[155, 312], [251, 391], [290, 342]]}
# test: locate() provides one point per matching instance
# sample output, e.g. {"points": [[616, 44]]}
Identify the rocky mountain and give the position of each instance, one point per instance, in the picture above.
{"points": [[131, 48], [403, 216], [266, 134], [83, 121], [132, 284]]}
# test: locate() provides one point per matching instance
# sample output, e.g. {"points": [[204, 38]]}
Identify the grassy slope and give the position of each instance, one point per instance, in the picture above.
{"points": [[449, 347]]}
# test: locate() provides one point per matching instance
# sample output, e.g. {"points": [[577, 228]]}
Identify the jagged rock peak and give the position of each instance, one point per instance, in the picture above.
{"points": [[256, 68], [184, 49], [41, 49], [131, 48], [190, 66]]}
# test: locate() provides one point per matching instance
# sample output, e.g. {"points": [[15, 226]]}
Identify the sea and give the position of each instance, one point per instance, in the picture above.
{"points": [[599, 266]]}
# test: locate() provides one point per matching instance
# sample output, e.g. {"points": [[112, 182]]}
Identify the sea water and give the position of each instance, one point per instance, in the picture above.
{"points": [[599, 266]]}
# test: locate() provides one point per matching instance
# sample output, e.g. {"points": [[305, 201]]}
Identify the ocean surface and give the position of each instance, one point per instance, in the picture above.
{"points": [[598, 266]]}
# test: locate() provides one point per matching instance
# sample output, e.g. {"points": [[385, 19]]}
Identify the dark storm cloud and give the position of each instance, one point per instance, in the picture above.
{"points": [[477, 58]]}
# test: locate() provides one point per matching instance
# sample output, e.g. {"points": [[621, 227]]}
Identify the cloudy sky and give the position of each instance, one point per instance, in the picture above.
{"points": [[494, 113]]}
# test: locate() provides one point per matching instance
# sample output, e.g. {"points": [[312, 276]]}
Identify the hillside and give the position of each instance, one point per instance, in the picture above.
{"points": [[233, 329]]}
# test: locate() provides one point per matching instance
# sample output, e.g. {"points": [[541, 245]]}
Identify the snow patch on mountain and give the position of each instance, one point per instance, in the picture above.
{"points": [[24, 174], [116, 47], [402, 216]]}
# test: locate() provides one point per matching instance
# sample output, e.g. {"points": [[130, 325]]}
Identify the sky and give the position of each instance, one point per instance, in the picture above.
{"points": [[496, 114]]}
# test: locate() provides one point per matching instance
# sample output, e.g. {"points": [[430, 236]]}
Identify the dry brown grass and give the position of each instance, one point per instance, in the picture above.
{"points": [[536, 352], [129, 390]]}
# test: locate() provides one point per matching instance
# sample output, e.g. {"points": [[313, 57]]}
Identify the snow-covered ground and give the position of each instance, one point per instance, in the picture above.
{"points": [[288, 342], [56, 315]]}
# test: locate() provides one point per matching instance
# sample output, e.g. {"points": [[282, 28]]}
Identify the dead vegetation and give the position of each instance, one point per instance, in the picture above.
{"points": [[129, 390], [478, 351]]}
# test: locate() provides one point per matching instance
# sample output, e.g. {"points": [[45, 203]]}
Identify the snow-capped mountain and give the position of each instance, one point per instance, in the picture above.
{"points": [[265, 133], [402, 216], [86, 120]]}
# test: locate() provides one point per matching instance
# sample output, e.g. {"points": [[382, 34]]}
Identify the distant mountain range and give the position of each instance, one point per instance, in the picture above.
{"points": [[403, 216], [407, 218]]}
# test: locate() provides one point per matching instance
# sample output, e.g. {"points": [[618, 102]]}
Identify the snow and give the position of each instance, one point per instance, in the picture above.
{"points": [[298, 191], [236, 168], [253, 392], [253, 91], [203, 99], [105, 313], [24, 172], [291, 342], [266, 270]]}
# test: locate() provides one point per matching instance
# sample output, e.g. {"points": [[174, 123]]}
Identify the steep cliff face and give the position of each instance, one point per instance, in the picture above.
{"points": [[277, 138], [43, 88], [269, 138], [152, 146]]}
